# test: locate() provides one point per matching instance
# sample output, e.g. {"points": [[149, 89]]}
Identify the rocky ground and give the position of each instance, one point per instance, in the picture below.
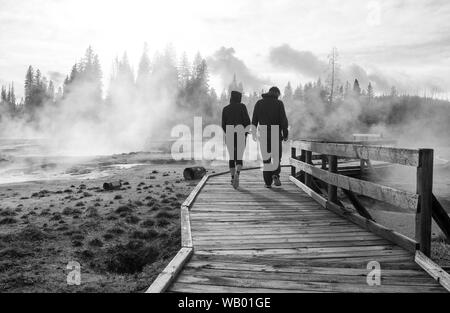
{"points": [[122, 239]]}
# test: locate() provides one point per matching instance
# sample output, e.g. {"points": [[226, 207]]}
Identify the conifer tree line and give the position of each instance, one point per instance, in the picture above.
{"points": [[320, 109]]}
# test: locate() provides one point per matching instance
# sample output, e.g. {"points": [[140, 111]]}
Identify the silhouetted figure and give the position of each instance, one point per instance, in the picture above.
{"points": [[269, 114], [235, 120]]}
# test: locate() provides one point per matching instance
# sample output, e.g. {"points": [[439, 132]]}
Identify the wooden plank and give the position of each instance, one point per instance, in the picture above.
{"points": [[272, 230], [302, 269], [286, 235], [257, 224], [312, 253], [275, 277], [435, 271], [199, 288], [405, 261], [400, 198], [441, 217], [167, 276], [409, 157], [425, 207], [378, 229], [288, 245], [186, 236], [299, 285]]}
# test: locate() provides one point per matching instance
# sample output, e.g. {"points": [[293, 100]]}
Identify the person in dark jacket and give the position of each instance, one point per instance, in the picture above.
{"points": [[235, 120], [269, 116]]}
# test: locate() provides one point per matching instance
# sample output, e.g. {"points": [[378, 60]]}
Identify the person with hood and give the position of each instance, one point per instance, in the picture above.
{"points": [[235, 120], [269, 116]]}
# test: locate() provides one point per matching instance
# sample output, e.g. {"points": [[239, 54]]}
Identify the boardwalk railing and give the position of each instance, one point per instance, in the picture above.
{"points": [[423, 201]]}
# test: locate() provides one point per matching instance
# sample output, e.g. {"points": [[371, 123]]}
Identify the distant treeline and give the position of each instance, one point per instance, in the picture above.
{"points": [[313, 110]]}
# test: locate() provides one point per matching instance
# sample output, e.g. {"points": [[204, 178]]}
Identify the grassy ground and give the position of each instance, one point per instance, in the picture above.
{"points": [[122, 239]]}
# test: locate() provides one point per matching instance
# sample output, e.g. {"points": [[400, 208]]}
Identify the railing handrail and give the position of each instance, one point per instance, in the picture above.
{"points": [[422, 159], [358, 150]]}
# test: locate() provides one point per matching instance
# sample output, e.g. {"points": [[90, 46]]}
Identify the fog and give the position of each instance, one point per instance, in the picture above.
{"points": [[144, 99]]}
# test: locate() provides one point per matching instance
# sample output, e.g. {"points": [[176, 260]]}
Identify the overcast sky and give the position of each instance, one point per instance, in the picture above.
{"points": [[402, 40]]}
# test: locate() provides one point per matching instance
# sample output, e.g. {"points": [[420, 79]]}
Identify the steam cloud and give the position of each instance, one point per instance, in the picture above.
{"points": [[307, 63], [225, 64]]}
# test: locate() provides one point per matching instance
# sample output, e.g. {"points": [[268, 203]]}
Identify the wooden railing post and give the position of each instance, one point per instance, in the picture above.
{"points": [[324, 161], [425, 192], [302, 158], [361, 166], [308, 178], [293, 155], [332, 168]]}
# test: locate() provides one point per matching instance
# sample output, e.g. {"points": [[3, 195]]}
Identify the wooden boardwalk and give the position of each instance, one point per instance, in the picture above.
{"points": [[281, 240]]}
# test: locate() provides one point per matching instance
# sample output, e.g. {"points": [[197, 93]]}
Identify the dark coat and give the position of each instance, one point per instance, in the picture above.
{"points": [[235, 113], [270, 111]]}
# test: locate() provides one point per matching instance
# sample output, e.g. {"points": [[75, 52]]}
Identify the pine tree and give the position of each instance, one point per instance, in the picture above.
{"points": [[394, 92], [74, 73], [298, 93], [202, 76], [223, 98], [184, 71], [213, 95], [288, 93], [3, 96], [13, 95], [51, 91], [347, 89], [29, 85], [356, 88], [370, 92], [144, 69]]}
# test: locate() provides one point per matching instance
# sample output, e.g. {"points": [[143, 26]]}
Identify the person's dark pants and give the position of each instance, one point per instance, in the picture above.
{"points": [[274, 158], [236, 154]]}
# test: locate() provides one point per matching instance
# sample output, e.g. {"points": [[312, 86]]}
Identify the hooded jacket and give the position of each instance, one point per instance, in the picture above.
{"points": [[235, 113], [270, 111]]}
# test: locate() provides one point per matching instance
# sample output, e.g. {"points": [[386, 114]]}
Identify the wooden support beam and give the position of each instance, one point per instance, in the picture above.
{"points": [[294, 156], [441, 217], [357, 204], [332, 168], [425, 192], [361, 166], [308, 159], [324, 161], [435, 271], [302, 159], [315, 186]]}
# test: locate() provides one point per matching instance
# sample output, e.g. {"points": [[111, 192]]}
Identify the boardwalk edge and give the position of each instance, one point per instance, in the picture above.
{"points": [[434, 270], [166, 277]]}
